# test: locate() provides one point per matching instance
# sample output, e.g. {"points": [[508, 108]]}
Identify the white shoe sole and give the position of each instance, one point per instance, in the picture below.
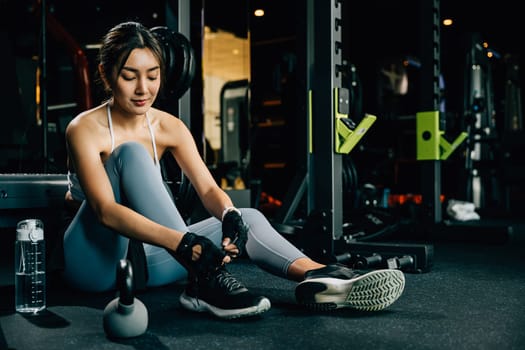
{"points": [[199, 305], [372, 291]]}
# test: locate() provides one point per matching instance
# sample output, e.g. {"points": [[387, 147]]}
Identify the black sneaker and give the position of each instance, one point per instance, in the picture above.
{"points": [[337, 286], [222, 295]]}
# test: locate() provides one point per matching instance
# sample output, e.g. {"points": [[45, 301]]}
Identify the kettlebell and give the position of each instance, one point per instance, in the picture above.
{"points": [[125, 316]]}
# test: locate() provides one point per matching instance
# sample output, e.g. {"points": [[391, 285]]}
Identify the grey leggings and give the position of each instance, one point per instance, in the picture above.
{"points": [[92, 251]]}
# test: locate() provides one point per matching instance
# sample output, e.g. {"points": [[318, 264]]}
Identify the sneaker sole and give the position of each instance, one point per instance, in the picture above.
{"points": [[372, 291], [199, 305]]}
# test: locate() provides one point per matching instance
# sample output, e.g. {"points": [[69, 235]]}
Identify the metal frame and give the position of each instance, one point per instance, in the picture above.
{"points": [[324, 58], [319, 181], [178, 18], [429, 101]]}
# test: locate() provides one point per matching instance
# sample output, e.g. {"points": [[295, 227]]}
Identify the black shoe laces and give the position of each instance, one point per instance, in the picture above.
{"points": [[226, 280], [223, 280]]}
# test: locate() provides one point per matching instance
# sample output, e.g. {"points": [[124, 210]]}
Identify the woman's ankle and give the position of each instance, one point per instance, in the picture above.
{"points": [[299, 267]]}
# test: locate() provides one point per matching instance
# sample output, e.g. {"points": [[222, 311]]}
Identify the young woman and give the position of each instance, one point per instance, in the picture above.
{"points": [[114, 151]]}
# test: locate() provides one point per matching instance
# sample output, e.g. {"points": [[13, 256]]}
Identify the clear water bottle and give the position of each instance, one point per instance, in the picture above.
{"points": [[30, 267]]}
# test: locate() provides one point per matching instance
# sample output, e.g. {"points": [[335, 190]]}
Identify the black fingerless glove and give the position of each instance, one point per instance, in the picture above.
{"points": [[210, 259], [234, 227]]}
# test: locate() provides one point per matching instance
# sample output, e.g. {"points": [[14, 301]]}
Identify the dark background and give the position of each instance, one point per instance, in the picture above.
{"points": [[374, 32], [471, 299]]}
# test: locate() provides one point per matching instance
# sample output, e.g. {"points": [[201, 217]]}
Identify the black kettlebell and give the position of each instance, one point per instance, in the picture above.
{"points": [[125, 316]]}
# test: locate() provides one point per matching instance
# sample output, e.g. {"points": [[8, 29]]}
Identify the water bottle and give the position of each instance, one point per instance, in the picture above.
{"points": [[30, 267]]}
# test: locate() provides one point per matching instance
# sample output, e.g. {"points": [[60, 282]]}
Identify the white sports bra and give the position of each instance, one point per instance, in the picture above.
{"points": [[73, 184]]}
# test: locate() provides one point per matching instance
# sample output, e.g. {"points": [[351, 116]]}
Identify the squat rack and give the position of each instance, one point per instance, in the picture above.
{"points": [[319, 182]]}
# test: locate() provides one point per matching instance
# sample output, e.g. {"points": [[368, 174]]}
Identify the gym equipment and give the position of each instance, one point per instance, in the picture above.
{"points": [[347, 134], [125, 316], [409, 257], [331, 135], [20, 191], [179, 59], [42, 193], [481, 186], [431, 144], [50, 26], [513, 108], [512, 142], [416, 258], [235, 120], [180, 64], [430, 100]]}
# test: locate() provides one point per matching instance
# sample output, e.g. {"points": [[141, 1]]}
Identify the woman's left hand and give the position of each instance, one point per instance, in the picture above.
{"points": [[234, 233]]}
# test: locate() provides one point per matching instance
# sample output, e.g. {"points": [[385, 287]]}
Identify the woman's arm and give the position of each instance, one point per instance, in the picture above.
{"points": [[214, 199], [86, 141]]}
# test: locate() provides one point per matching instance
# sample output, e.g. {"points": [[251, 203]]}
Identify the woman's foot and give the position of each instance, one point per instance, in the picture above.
{"points": [[211, 288], [222, 295], [337, 286]]}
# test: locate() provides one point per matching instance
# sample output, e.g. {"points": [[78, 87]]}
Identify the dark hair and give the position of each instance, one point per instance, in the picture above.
{"points": [[118, 43]]}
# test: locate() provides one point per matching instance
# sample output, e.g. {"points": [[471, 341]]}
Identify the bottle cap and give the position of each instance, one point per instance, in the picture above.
{"points": [[30, 230]]}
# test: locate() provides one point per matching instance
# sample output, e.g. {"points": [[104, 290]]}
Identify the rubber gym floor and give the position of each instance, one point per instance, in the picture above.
{"points": [[473, 297]]}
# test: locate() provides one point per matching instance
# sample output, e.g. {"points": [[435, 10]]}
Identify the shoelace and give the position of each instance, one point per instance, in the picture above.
{"points": [[227, 280], [224, 279]]}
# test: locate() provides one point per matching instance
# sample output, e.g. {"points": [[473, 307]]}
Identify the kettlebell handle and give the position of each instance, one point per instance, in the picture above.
{"points": [[125, 282]]}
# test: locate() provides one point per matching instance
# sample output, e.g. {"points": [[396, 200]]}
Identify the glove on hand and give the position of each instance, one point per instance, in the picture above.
{"points": [[211, 257], [234, 228]]}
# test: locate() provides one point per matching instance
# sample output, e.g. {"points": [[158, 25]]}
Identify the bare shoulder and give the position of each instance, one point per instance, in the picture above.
{"points": [[88, 120], [89, 129], [167, 126], [164, 119]]}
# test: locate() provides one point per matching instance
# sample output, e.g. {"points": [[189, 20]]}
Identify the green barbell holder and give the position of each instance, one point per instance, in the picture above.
{"points": [[431, 144], [346, 138]]}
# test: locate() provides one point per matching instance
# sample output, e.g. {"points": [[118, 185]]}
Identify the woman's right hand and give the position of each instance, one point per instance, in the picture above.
{"points": [[199, 255]]}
